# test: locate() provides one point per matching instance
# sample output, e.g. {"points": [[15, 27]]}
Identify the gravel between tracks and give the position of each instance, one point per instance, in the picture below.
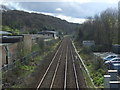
{"points": [[60, 74]]}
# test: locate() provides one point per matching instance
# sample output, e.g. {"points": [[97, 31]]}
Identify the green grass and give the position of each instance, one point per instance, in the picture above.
{"points": [[94, 65], [96, 75], [35, 47], [88, 80], [27, 68], [15, 86]]}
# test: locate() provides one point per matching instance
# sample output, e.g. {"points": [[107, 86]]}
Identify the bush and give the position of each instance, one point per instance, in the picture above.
{"points": [[100, 48], [85, 50], [27, 68]]}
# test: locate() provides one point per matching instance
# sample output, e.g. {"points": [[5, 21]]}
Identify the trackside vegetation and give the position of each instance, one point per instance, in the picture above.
{"points": [[21, 76], [95, 65], [104, 30]]}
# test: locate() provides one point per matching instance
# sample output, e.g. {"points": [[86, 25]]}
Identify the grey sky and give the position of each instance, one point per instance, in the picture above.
{"points": [[70, 11]]}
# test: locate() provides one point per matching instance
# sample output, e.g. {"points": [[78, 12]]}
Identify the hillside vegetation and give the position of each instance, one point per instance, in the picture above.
{"points": [[33, 22], [103, 29]]}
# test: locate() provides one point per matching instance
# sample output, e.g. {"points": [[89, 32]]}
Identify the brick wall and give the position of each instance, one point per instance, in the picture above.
{"points": [[27, 41]]}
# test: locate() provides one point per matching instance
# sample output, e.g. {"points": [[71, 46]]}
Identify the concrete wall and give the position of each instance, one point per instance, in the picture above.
{"points": [[3, 54], [13, 50], [88, 43], [0, 56], [27, 41], [9, 52]]}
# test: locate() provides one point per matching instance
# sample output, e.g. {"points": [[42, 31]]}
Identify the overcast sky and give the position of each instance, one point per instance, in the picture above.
{"points": [[75, 11]]}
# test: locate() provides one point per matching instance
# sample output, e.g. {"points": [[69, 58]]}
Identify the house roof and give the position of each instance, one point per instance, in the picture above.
{"points": [[47, 32], [4, 32]]}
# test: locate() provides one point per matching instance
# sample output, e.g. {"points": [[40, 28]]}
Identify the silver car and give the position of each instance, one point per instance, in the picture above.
{"points": [[114, 60], [110, 57]]}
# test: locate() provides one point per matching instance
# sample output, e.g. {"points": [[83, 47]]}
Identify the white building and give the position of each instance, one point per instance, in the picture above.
{"points": [[48, 34], [88, 43]]}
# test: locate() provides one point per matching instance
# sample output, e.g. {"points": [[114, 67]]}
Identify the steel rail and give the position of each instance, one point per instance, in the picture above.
{"points": [[58, 63], [41, 81], [65, 81], [75, 73]]}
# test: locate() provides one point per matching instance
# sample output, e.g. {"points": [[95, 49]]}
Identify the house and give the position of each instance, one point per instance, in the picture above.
{"points": [[88, 43], [48, 34]]}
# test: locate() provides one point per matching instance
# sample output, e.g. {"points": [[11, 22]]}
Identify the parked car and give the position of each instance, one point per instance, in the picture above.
{"points": [[109, 57], [114, 60]]}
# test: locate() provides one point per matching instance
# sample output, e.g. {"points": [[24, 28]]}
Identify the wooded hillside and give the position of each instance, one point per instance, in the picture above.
{"points": [[33, 22]]}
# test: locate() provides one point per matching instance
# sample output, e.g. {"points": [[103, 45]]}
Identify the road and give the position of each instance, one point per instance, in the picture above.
{"points": [[64, 69]]}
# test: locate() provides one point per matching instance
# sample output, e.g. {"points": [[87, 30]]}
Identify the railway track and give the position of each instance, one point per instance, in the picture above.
{"points": [[65, 76], [56, 70], [75, 73], [48, 69], [63, 70]]}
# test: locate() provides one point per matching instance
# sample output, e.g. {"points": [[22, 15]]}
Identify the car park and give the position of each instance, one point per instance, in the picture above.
{"points": [[109, 57], [114, 60]]}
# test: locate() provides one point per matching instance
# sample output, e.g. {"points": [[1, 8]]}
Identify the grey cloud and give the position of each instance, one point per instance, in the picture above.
{"points": [[72, 9], [68, 8]]}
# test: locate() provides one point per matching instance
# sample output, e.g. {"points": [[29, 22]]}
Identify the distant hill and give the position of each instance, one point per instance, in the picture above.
{"points": [[33, 22], [2, 7]]}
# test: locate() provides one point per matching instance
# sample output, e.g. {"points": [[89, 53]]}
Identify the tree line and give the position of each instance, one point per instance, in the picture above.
{"points": [[102, 28]]}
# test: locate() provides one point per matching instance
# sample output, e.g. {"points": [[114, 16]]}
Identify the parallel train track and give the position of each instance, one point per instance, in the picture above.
{"points": [[63, 71]]}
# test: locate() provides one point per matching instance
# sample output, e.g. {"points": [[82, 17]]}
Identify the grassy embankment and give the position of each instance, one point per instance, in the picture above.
{"points": [[94, 65]]}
